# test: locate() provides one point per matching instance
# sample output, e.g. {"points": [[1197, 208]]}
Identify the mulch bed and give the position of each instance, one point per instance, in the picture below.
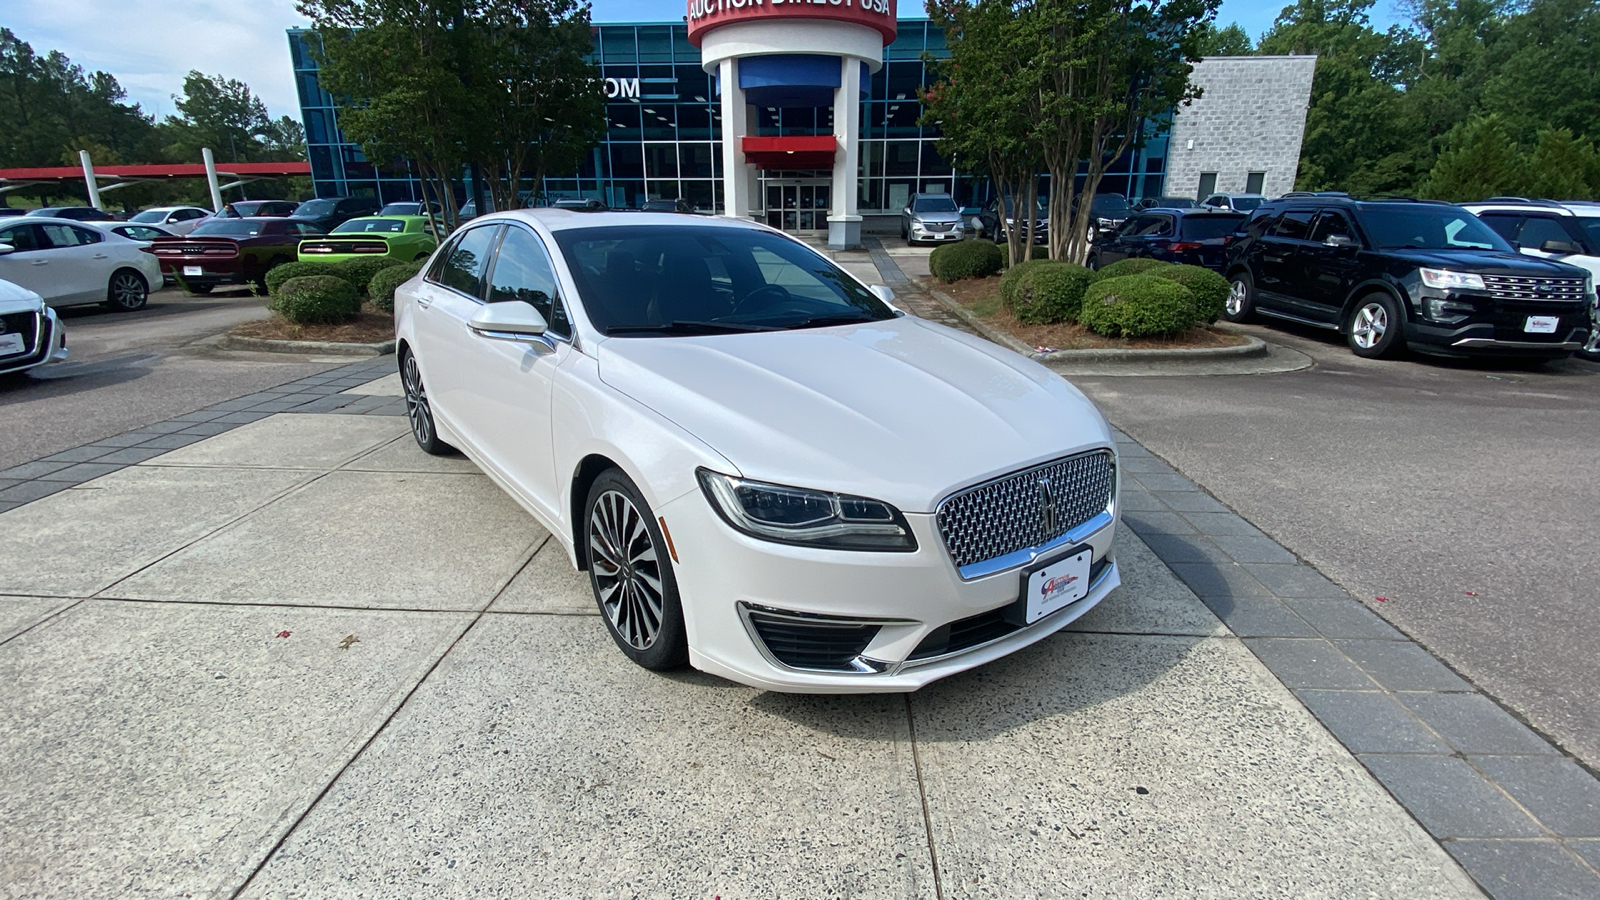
{"points": [[371, 326], [981, 297]]}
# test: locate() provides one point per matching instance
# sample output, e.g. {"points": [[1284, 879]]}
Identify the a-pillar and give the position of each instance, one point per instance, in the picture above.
{"points": [[736, 173], [844, 223]]}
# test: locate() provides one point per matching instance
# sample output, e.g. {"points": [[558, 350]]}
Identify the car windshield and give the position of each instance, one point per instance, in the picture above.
{"points": [[934, 204], [230, 226], [653, 280], [1245, 204], [1109, 203], [388, 226], [1202, 227], [150, 215], [1430, 228], [315, 208]]}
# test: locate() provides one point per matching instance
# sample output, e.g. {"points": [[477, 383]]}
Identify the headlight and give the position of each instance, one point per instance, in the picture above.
{"points": [[1103, 223], [1446, 279], [791, 515]]}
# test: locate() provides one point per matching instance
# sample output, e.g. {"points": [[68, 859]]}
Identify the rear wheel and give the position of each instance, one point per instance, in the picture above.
{"points": [[631, 574], [1241, 302], [127, 291], [1375, 327]]}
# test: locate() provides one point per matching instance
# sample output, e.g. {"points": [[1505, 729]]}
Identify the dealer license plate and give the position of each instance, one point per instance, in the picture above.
{"points": [[1542, 324], [193, 270], [1057, 585], [11, 344]]}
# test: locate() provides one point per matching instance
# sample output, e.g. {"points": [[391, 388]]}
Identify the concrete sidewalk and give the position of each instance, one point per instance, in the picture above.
{"points": [[300, 658]]}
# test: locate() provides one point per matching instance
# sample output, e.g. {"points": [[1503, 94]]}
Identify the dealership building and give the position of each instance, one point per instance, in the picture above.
{"points": [[805, 115]]}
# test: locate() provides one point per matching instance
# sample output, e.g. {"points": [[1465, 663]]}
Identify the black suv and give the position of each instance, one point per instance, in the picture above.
{"points": [[1197, 237], [326, 212], [1395, 273]]}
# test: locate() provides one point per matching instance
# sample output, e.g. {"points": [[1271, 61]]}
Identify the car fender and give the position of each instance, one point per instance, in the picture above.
{"points": [[1374, 285]]}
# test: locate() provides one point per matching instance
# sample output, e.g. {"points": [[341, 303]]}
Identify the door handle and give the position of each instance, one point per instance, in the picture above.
{"points": [[41, 262], [424, 302]]}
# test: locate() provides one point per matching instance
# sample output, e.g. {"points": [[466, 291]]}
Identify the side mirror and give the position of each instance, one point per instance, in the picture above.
{"points": [[508, 321], [1340, 242], [1560, 247], [882, 292], [7, 248]]}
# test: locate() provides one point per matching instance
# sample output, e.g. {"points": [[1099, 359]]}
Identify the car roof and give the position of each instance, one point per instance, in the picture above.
{"points": [[1235, 194], [1524, 204], [563, 219]]}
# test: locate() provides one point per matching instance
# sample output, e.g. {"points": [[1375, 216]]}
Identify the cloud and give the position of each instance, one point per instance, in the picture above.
{"points": [[149, 45]]}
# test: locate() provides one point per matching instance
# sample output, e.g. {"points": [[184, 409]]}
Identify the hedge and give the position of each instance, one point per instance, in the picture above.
{"points": [[1009, 278], [359, 271], [381, 288], [1131, 266], [965, 259], [282, 272], [1133, 306], [1048, 292], [317, 299], [1210, 289]]}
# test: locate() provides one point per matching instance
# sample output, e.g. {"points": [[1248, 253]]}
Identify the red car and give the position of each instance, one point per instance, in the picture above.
{"points": [[230, 251]]}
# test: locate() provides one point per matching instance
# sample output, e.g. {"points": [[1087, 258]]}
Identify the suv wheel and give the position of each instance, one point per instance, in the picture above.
{"points": [[1241, 302], [1375, 327]]}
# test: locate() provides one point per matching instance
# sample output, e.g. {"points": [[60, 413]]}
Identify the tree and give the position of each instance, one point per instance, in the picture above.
{"points": [[220, 113], [1230, 41], [1480, 160]]}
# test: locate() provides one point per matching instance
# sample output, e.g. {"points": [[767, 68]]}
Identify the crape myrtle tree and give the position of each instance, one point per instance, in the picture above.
{"points": [[1061, 85], [499, 84]]}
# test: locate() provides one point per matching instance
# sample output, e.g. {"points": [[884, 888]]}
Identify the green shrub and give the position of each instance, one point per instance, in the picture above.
{"points": [[317, 299], [1135, 306], [282, 272], [965, 259], [1038, 251], [381, 288], [359, 271], [1048, 292], [1131, 266], [1210, 289], [1010, 277]]}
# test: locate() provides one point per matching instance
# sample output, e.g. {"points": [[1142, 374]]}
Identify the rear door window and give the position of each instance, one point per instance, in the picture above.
{"points": [[1200, 228], [1294, 225], [1330, 223], [1504, 224], [522, 272], [1536, 230]]}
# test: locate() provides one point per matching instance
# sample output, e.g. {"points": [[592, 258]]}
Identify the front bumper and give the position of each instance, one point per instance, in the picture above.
{"points": [[920, 232], [1466, 323], [46, 344], [911, 599]]}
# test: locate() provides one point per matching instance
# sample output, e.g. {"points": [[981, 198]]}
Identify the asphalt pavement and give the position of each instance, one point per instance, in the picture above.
{"points": [[131, 369], [1456, 499]]}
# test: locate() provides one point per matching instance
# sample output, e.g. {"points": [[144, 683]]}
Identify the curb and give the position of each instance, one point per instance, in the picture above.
{"points": [[1254, 346], [335, 348]]}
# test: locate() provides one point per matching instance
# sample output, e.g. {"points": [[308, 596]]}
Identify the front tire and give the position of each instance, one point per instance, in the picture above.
{"points": [[1375, 328], [127, 291], [631, 575], [1241, 302], [418, 410]]}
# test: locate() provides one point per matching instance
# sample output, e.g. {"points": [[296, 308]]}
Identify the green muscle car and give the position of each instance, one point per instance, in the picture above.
{"points": [[403, 238]]}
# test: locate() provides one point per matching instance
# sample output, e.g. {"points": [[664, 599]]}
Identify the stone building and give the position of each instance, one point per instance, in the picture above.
{"points": [[1243, 134]]}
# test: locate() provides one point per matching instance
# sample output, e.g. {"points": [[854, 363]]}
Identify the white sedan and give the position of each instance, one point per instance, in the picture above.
{"points": [[30, 334], [179, 220], [769, 473], [74, 263]]}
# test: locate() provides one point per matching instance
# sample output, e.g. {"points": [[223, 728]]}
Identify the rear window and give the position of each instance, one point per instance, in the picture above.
{"points": [[315, 208], [153, 216], [386, 226], [1199, 228], [1245, 204], [229, 226]]}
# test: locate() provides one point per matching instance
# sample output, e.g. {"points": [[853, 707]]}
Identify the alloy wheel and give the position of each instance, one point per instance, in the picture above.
{"points": [[128, 291], [1369, 326], [627, 570], [1236, 297], [417, 402]]}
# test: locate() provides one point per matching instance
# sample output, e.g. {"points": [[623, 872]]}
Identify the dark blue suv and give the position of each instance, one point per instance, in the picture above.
{"points": [[1391, 274], [1196, 237]]}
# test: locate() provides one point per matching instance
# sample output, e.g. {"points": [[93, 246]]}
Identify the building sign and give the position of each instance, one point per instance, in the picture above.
{"points": [[705, 15], [622, 88]]}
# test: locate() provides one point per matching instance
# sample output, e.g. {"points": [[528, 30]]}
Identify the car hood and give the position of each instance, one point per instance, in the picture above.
{"points": [[16, 298], [1488, 262], [937, 216], [902, 410]]}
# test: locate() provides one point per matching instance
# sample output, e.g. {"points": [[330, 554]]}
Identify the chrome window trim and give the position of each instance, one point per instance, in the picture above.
{"points": [[571, 340]]}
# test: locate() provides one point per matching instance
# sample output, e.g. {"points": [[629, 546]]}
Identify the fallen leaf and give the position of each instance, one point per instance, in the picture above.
{"points": [[348, 640]]}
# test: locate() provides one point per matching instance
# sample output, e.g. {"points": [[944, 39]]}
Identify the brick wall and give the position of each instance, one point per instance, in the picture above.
{"points": [[1250, 118]]}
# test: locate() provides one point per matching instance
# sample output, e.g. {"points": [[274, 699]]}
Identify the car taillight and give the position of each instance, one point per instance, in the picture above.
{"points": [[1182, 246], [1228, 239]]}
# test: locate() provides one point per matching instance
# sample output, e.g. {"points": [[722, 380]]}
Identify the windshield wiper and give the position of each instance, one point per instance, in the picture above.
{"points": [[682, 326], [824, 321]]}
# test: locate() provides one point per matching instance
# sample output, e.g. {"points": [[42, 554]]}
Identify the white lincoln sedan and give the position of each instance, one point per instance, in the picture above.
{"points": [[769, 472]]}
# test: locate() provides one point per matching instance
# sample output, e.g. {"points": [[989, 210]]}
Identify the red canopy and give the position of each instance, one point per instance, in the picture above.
{"points": [[791, 152], [174, 170]]}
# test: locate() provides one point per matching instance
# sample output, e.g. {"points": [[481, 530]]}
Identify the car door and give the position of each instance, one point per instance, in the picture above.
{"points": [[30, 262], [512, 376], [1115, 248], [1279, 281], [446, 347], [1329, 265], [82, 265]]}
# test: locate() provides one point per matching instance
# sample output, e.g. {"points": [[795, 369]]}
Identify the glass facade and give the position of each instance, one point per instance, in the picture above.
{"points": [[663, 134]]}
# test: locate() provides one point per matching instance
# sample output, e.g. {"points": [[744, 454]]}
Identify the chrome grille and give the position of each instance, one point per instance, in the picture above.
{"points": [[1517, 287], [1009, 513]]}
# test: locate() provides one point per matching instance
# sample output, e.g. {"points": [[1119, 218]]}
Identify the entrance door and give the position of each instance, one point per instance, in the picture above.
{"points": [[798, 206]]}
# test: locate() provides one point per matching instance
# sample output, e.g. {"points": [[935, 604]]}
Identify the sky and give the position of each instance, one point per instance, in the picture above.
{"points": [[149, 45]]}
